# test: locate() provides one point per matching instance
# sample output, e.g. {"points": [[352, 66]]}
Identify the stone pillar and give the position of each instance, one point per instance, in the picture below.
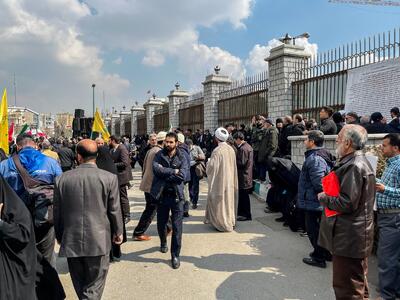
{"points": [[150, 106], [135, 110], [176, 98], [282, 62], [123, 114], [114, 117], [213, 85]]}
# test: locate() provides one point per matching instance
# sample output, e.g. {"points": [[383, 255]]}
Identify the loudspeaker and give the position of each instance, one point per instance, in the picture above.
{"points": [[82, 124], [88, 124], [76, 126], [79, 113]]}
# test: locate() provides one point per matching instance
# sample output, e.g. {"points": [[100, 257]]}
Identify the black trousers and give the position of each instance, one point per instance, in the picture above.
{"points": [[123, 194], [45, 241], [89, 275], [313, 220], [147, 216], [244, 208], [168, 204], [194, 185]]}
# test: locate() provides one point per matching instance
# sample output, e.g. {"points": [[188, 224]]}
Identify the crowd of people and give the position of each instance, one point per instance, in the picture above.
{"points": [[74, 191]]}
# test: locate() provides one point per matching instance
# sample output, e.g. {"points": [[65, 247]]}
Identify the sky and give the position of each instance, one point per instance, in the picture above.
{"points": [[58, 48]]}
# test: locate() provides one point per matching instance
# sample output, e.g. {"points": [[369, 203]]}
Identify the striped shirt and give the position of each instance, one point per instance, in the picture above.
{"points": [[390, 197]]}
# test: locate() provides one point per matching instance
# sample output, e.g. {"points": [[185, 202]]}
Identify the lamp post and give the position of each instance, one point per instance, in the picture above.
{"points": [[93, 85]]}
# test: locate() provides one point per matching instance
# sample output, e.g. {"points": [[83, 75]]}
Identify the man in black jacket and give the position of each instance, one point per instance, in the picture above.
{"points": [[170, 168], [66, 156], [328, 126], [121, 159]]}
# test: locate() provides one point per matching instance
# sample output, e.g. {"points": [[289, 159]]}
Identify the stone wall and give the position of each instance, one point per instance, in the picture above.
{"points": [[298, 148]]}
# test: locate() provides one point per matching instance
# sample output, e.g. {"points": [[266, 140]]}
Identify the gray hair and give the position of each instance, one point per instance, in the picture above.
{"points": [[357, 135], [153, 135], [317, 136]]}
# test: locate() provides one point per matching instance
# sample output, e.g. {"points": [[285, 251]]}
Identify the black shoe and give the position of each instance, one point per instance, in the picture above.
{"points": [[186, 215], [163, 249], [241, 218], [194, 206], [176, 263], [127, 220], [285, 224], [312, 262], [281, 219], [327, 257]]}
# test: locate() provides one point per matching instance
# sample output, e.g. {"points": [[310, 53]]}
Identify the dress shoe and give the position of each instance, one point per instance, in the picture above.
{"points": [[281, 219], [241, 218], [163, 249], [327, 257], [127, 220], [141, 238], [194, 206], [176, 263], [186, 215], [312, 262]]}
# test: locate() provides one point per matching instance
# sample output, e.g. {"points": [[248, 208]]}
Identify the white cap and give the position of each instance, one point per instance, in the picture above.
{"points": [[161, 136], [181, 138], [222, 134]]}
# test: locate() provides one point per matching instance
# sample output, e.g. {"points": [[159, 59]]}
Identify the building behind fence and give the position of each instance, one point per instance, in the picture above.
{"points": [[294, 82]]}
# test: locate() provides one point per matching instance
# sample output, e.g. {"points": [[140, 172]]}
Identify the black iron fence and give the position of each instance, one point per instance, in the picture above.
{"points": [[322, 80], [192, 117], [243, 100], [161, 119], [141, 124]]}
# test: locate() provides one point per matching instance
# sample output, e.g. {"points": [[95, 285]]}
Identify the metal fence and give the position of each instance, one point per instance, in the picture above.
{"points": [[161, 119], [192, 117], [322, 80], [141, 124], [128, 127], [117, 127], [243, 100]]}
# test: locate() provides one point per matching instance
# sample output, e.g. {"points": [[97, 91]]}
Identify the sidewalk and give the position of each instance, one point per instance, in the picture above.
{"points": [[260, 260]]}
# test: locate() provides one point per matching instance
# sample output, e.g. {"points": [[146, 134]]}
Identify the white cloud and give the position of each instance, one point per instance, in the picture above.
{"points": [[256, 63], [153, 58], [54, 68], [118, 61]]}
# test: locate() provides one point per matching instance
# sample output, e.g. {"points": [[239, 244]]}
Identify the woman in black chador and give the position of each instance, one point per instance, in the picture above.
{"points": [[17, 247]]}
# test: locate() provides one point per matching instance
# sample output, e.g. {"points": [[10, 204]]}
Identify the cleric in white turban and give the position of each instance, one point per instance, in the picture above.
{"points": [[222, 195]]}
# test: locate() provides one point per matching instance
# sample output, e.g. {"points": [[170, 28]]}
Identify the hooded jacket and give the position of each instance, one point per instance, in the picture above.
{"points": [[317, 164]]}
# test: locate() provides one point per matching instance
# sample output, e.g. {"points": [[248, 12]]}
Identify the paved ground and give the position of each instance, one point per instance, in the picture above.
{"points": [[261, 260]]}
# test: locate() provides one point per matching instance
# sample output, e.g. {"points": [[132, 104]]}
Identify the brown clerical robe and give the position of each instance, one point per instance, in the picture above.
{"points": [[222, 195]]}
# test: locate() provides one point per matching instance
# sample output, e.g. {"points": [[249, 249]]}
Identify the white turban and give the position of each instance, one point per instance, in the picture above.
{"points": [[222, 134]]}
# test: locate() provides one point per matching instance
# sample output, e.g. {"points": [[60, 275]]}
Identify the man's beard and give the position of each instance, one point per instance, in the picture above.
{"points": [[170, 149]]}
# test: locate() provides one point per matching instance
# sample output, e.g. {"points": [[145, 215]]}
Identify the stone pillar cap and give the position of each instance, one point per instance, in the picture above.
{"points": [[178, 93], [217, 78], [287, 50]]}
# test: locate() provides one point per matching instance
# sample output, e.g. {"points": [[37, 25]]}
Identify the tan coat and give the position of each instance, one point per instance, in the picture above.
{"points": [[222, 195], [147, 179]]}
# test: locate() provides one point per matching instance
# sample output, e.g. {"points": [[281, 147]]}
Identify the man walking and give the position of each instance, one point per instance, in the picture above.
{"points": [[121, 159], [196, 156], [145, 186], [388, 204], [87, 213], [347, 227], [66, 155], [244, 163], [40, 168], [222, 198], [170, 169], [317, 164]]}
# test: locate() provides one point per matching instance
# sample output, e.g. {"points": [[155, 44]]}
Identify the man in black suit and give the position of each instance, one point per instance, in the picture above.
{"points": [[87, 213], [121, 159]]}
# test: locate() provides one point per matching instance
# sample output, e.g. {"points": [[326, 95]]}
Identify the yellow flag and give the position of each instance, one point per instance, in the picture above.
{"points": [[98, 126], [4, 123]]}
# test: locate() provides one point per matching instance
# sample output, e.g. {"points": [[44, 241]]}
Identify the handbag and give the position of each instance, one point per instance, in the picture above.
{"points": [[200, 169]]}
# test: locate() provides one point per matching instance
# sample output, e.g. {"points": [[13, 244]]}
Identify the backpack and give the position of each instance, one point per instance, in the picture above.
{"points": [[38, 196]]}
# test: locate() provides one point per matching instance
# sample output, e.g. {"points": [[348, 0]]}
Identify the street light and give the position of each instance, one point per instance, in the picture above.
{"points": [[93, 85]]}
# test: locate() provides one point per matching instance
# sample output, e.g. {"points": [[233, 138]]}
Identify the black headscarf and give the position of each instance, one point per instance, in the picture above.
{"points": [[17, 247]]}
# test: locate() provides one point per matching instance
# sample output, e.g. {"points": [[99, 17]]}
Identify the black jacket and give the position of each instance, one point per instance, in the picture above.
{"points": [[66, 156], [328, 126], [122, 161]]}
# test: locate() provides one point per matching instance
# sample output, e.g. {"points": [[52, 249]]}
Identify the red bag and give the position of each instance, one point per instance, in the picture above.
{"points": [[331, 187]]}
